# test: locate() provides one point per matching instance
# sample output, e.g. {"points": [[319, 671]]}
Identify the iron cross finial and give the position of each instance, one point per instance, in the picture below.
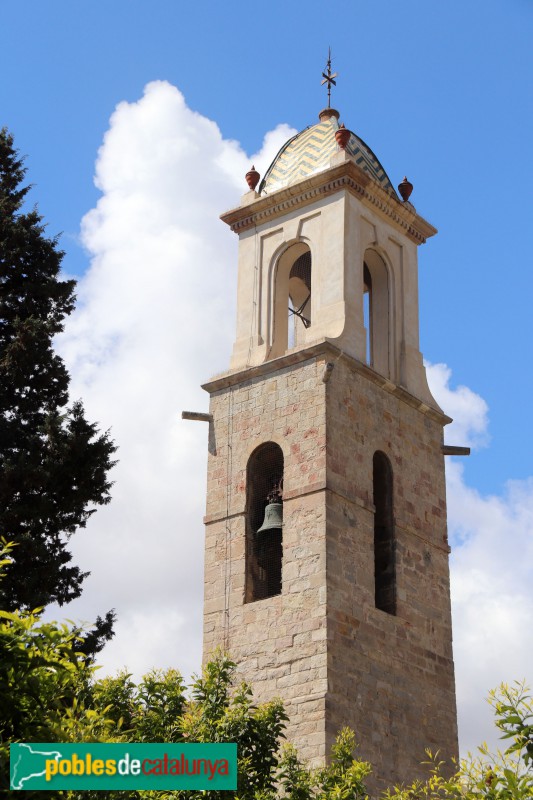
{"points": [[328, 77]]}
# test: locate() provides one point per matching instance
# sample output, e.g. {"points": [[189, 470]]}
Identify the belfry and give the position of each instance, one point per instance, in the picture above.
{"points": [[326, 560]]}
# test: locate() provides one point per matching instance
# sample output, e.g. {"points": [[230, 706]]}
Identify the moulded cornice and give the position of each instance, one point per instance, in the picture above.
{"points": [[326, 349], [346, 175]]}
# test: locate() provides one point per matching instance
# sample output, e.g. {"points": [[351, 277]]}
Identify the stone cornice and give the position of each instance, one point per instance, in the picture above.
{"points": [[323, 486], [346, 175], [329, 352]]}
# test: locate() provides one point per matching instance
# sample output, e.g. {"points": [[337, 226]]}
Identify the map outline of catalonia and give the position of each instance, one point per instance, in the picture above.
{"points": [[16, 783]]}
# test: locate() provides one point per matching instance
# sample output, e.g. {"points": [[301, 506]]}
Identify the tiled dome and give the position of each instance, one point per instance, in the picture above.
{"points": [[310, 151]]}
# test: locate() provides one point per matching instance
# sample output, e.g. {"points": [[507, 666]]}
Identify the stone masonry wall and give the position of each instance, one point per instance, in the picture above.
{"points": [[321, 645], [279, 643], [391, 678]]}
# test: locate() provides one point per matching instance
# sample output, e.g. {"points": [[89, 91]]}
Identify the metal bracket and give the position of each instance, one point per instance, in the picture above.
{"points": [[298, 312]]}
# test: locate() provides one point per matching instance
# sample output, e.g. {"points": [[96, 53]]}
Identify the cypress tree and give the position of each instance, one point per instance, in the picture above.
{"points": [[54, 464]]}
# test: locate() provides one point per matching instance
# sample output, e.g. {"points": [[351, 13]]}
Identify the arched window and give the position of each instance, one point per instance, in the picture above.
{"points": [[290, 309], [384, 544], [367, 312], [264, 520], [377, 313], [299, 298]]}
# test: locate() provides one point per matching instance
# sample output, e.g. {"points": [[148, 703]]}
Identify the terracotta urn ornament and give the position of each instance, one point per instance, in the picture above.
{"points": [[252, 178], [342, 135], [405, 188]]}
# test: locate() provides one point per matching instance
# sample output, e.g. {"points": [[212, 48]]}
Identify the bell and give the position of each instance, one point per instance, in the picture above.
{"points": [[273, 518]]}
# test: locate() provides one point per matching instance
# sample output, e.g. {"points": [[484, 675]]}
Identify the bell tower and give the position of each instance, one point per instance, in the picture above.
{"points": [[326, 560]]}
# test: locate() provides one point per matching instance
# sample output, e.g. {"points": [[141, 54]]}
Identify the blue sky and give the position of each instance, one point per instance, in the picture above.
{"points": [[440, 91]]}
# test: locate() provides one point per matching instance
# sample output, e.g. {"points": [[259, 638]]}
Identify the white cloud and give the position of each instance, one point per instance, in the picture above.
{"points": [[468, 410], [491, 571], [492, 580], [156, 319]]}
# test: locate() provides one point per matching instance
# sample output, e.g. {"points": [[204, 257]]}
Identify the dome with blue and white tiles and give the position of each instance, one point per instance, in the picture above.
{"points": [[310, 151]]}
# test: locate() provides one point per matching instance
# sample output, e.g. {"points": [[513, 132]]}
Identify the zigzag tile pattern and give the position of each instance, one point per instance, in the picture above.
{"points": [[311, 150]]}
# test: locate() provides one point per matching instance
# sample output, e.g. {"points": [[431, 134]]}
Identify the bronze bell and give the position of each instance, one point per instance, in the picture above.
{"points": [[273, 518]]}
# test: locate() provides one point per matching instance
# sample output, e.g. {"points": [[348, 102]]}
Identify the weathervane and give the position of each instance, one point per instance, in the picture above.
{"points": [[328, 77]]}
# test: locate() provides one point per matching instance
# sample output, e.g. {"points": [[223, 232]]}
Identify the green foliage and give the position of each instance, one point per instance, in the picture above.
{"points": [[51, 693], [158, 709], [57, 697], [44, 680], [147, 712], [513, 707], [506, 775], [296, 780], [53, 463], [342, 779], [218, 714]]}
